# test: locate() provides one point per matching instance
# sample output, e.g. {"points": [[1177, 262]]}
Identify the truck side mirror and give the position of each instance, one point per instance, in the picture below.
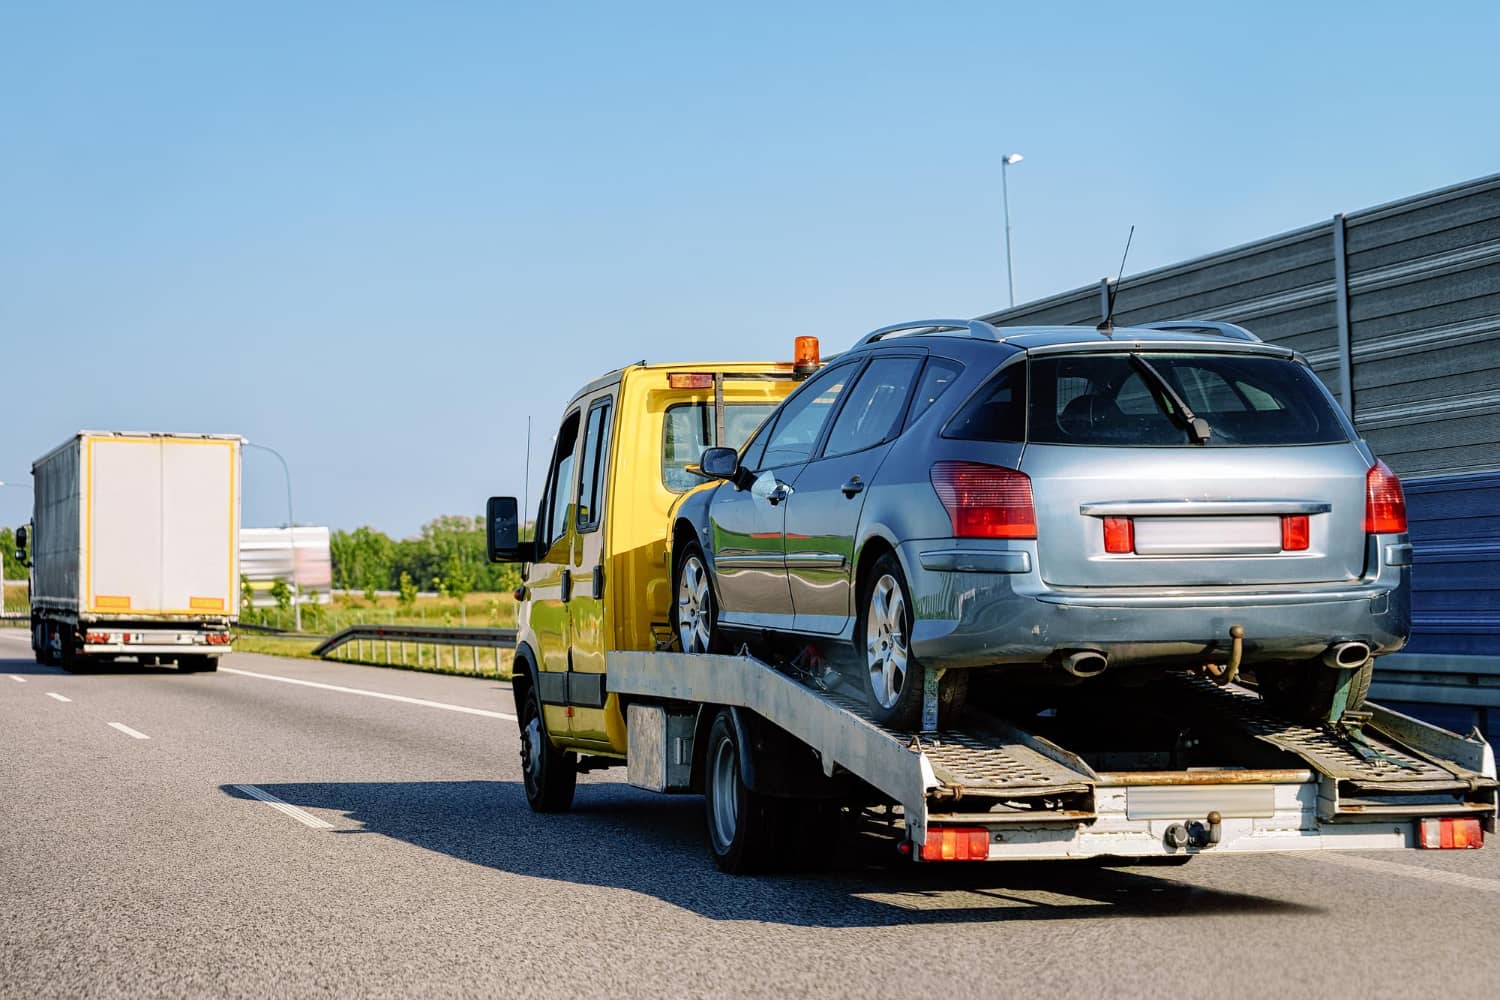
{"points": [[502, 532], [21, 537]]}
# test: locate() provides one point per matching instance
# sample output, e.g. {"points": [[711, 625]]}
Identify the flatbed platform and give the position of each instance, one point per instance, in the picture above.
{"points": [[1277, 785]]}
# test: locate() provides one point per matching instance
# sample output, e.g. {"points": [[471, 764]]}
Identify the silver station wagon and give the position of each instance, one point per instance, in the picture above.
{"points": [[1060, 502]]}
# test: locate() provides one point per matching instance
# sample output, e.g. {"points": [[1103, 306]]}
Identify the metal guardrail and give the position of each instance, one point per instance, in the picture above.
{"points": [[367, 640]]}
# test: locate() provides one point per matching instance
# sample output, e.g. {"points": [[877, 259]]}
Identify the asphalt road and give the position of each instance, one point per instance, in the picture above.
{"points": [[411, 866]]}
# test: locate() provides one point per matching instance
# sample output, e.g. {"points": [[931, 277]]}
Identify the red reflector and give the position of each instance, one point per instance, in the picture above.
{"points": [[985, 501], [690, 380], [1385, 504], [1119, 535], [1451, 833], [956, 843], [1294, 532]]}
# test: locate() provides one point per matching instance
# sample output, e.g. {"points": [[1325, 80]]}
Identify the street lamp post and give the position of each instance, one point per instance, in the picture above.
{"points": [[291, 530], [1005, 162]]}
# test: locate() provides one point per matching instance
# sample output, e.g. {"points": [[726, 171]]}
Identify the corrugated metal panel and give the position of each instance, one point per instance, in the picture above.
{"points": [[1455, 529]]}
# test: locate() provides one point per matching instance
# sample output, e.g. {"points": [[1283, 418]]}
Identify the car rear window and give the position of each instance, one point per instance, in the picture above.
{"points": [[1107, 399]]}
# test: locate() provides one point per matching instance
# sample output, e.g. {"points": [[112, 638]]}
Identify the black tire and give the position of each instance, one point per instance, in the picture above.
{"points": [[698, 632], [42, 651], [881, 644], [549, 774], [744, 827], [1308, 691], [197, 664], [69, 658]]}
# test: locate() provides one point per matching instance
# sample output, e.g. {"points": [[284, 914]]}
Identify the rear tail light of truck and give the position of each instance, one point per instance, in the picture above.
{"points": [[1385, 504], [1450, 833], [1295, 533], [985, 501], [218, 638], [956, 843], [99, 638], [690, 380]]}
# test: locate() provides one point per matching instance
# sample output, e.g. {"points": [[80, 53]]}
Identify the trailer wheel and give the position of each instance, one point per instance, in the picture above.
{"points": [[742, 824], [551, 775], [695, 618]]}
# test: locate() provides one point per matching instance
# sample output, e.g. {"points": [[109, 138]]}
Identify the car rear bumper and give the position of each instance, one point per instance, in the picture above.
{"points": [[973, 616]]}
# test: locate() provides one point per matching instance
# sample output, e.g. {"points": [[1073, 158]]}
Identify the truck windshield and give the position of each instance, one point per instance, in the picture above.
{"points": [[689, 428]]}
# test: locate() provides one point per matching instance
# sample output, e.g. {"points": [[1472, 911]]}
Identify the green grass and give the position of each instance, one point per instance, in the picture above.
{"points": [[302, 648], [479, 610]]}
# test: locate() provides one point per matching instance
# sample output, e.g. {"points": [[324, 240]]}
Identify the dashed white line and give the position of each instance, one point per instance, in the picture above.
{"points": [[300, 815], [18, 680], [1406, 871], [54, 694], [128, 731], [373, 694]]}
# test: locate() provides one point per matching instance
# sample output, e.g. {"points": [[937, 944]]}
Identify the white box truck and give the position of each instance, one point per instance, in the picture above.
{"points": [[134, 548]]}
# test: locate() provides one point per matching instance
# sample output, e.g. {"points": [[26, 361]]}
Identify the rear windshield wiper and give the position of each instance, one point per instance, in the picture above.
{"points": [[1181, 412]]}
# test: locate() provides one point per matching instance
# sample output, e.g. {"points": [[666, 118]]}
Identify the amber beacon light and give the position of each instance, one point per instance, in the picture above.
{"points": [[805, 356]]}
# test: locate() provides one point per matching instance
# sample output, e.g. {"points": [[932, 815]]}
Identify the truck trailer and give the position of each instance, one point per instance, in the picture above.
{"points": [[133, 549]]}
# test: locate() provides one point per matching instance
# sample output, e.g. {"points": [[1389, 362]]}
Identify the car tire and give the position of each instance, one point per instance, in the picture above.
{"points": [[743, 826], [1308, 691], [892, 675], [549, 774], [695, 613]]}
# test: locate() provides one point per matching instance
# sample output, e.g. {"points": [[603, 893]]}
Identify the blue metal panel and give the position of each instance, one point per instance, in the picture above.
{"points": [[1455, 531]]}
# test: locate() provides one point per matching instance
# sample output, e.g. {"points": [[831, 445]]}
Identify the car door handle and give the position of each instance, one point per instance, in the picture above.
{"points": [[780, 493], [598, 591], [853, 487], [567, 586]]}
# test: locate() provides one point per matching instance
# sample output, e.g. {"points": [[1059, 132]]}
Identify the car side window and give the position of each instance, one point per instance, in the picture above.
{"points": [[997, 412], [552, 518], [939, 374], [872, 413], [591, 473], [803, 416]]}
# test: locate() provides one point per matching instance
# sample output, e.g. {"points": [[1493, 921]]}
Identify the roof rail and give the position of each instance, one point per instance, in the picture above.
{"points": [[1204, 326], [976, 328]]}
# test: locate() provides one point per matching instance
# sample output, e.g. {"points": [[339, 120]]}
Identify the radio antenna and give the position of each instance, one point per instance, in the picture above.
{"points": [[1108, 326], [526, 488]]}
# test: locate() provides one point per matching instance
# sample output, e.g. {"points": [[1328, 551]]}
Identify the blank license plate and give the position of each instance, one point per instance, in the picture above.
{"points": [[1184, 536]]}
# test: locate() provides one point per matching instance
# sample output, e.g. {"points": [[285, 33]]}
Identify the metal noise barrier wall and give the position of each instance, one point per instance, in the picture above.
{"points": [[1398, 309]]}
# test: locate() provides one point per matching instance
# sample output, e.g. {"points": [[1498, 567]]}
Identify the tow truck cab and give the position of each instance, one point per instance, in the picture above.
{"points": [[595, 572]]}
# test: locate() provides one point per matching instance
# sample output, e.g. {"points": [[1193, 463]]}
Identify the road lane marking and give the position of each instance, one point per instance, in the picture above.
{"points": [[128, 731], [1407, 871], [54, 694], [300, 815], [18, 680], [373, 694]]}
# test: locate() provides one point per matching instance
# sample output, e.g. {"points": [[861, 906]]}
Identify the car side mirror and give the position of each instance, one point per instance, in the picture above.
{"points": [[719, 463], [502, 532]]}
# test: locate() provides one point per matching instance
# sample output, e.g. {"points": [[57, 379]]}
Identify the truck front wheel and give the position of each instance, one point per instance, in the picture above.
{"points": [[550, 774]]}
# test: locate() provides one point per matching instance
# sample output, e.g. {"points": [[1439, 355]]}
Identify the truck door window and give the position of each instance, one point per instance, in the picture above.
{"points": [[591, 473], [555, 502]]}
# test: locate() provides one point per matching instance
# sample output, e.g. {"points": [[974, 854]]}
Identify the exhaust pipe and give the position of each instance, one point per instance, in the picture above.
{"points": [[1085, 663], [1346, 655]]}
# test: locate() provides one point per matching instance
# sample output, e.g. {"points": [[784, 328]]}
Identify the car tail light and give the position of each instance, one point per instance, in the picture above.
{"points": [[1450, 833], [1294, 533], [985, 501], [956, 843], [1119, 535], [690, 380], [1385, 504]]}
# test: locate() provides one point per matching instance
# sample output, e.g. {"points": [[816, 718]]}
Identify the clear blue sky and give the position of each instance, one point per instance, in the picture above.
{"points": [[378, 237]]}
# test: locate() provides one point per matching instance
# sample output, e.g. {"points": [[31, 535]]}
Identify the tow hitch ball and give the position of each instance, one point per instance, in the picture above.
{"points": [[1201, 834], [1229, 672]]}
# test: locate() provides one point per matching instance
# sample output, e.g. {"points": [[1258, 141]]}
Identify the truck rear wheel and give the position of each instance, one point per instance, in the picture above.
{"points": [[550, 774], [743, 825]]}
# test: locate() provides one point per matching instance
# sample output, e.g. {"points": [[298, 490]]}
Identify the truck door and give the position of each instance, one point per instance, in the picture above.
{"points": [[551, 578], [822, 515], [586, 626]]}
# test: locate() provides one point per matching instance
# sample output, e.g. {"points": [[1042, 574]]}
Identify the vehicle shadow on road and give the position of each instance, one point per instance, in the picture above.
{"points": [[619, 837]]}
